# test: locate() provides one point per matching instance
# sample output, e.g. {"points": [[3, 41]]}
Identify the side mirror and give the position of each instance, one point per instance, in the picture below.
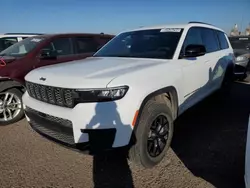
{"points": [[195, 50], [48, 54]]}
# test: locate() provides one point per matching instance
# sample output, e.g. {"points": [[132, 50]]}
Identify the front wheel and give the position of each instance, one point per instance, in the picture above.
{"points": [[10, 106], [153, 134]]}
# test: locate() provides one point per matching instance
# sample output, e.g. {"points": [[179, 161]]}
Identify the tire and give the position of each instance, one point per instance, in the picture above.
{"points": [[139, 153], [16, 104]]}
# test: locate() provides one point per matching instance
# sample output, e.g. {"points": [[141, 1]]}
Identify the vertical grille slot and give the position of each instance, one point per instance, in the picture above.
{"points": [[68, 97], [58, 96], [44, 94], [51, 97], [37, 92]]}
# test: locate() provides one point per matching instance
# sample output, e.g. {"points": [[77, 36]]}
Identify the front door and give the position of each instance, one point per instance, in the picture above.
{"points": [[195, 72], [63, 47]]}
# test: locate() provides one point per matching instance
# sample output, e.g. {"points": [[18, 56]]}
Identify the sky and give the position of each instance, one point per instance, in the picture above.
{"points": [[114, 16]]}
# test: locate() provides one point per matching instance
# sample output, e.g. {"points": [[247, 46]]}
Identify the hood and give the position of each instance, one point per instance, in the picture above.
{"points": [[93, 72], [239, 52]]}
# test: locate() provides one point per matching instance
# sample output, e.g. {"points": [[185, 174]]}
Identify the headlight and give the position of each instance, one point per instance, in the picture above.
{"points": [[101, 95], [241, 58]]}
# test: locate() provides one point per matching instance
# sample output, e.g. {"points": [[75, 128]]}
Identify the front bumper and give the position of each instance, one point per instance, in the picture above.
{"points": [[87, 125], [61, 131]]}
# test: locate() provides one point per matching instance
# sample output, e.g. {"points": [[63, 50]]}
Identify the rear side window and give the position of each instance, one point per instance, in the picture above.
{"points": [[7, 42], [103, 40], [86, 44], [209, 40], [61, 45], [222, 40]]}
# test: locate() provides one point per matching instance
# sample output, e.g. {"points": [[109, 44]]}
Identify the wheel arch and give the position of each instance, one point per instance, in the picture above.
{"points": [[171, 90], [10, 83]]}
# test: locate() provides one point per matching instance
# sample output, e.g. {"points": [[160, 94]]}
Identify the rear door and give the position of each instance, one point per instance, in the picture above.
{"points": [[64, 48], [226, 56], [215, 63]]}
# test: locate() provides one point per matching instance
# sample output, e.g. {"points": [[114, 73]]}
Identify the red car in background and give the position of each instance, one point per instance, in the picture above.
{"points": [[37, 51]]}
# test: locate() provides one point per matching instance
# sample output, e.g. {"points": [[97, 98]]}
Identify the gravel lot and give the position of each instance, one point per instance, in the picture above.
{"points": [[207, 151]]}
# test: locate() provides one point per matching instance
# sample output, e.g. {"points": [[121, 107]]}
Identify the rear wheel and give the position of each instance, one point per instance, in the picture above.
{"points": [[153, 134], [10, 106]]}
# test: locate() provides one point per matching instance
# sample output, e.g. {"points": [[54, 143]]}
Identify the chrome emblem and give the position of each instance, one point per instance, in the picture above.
{"points": [[42, 78]]}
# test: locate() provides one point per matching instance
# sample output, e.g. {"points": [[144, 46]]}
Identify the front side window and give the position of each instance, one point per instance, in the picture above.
{"points": [[209, 40], [155, 43], [86, 44], [23, 47], [193, 37], [7, 42], [62, 46]]}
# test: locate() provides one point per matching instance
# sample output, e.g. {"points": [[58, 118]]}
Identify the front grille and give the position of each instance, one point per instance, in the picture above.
{"points": [[58, 129], [52, 95]]}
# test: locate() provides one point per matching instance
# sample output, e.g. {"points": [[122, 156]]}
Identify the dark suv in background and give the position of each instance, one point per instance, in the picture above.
{"points": [[241, 46], [37, 51]]}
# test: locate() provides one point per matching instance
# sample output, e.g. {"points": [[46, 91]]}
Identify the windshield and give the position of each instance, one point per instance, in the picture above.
{"points": [[240, 43], [22, 48], [156, 43]]}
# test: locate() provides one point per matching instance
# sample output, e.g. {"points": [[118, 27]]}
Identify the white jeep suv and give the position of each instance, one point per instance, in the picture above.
{"points": [[131, 91]]}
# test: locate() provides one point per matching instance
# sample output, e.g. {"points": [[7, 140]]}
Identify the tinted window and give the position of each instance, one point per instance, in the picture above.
{"points": [[86, 44], [209, 40], [61, 45], [7, 42], [193, 37], [155, 43], [103, 40], [240, 42], [23, 47], [222, 40]]}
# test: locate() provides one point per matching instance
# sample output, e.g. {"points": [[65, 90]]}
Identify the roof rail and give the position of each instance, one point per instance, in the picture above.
{"points": [[199, 23], [23, 34]]}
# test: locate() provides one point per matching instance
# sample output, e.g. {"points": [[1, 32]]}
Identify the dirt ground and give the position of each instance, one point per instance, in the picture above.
{"points": [[208, 150]]}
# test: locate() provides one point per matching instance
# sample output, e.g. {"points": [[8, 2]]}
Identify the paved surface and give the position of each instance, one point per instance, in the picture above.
{"points": [[207, 151]]}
